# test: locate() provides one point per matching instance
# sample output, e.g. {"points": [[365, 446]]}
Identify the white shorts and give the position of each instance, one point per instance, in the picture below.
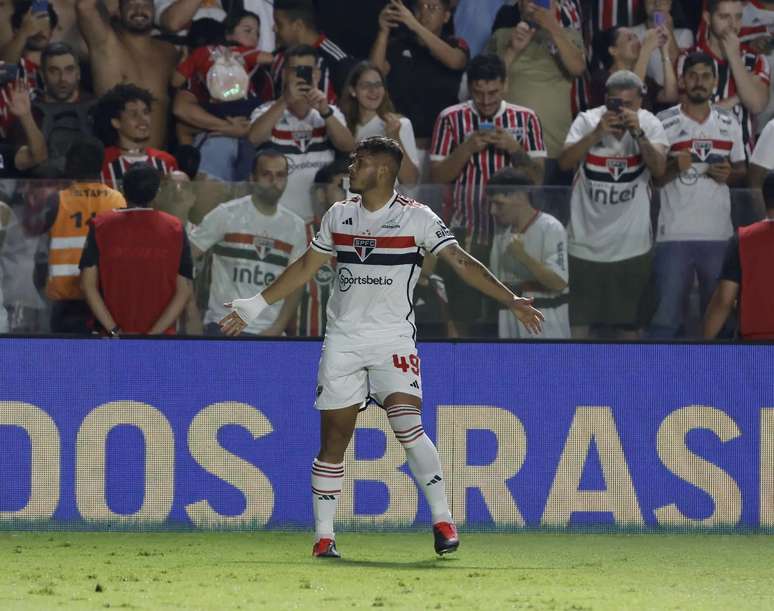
{"points": [[350, 376]]}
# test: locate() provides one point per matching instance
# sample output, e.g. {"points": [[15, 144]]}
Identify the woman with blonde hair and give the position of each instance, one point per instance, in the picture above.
{"points": [[369, 112]]}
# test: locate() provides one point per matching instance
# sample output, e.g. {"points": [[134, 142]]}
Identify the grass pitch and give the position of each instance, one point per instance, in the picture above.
{"points": [[216, 570]]}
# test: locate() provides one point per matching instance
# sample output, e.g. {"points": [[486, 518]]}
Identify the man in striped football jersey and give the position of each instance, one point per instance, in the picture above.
{"points": [[472, 141], [379, 239], [742, 77]]}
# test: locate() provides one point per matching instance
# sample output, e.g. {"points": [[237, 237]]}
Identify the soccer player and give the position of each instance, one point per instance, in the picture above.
{"points": [[378, 238]]}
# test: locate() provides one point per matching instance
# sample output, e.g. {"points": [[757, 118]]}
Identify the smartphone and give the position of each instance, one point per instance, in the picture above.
{"points": [[546, 4], [8, 73], [614, 104], [305, 74], [659, 18], [39, 6], [485, 126]]}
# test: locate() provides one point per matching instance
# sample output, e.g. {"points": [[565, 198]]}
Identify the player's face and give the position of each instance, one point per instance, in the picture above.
{"points": [[286, 33], [369, 90], [487, 96], [271, 178], [432, 14], [61, 77], [699, 83], [245, 33], [726, 18], [137, 15], [134, 122], [505, 207], [363, 173]]}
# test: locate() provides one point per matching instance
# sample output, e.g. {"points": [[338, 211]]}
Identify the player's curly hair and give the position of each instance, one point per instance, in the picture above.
{"points": [[381, 145], [112, 104]]}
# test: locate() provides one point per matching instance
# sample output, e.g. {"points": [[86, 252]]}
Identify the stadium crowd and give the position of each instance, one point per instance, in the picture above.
{"points": [[597, 154]]}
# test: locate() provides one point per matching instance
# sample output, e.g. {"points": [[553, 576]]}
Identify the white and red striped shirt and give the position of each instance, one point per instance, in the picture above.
{"points": [[758, 65], [694, 206], [757, 21], [116, 164], [453, 126], [571, 16]]}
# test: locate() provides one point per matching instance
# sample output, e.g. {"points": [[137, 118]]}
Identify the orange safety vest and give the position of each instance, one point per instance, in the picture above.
{"points": [[78, 204]]}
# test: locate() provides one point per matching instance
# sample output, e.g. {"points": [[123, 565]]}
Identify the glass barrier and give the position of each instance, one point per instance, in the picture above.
{"points": [[606, 278]]}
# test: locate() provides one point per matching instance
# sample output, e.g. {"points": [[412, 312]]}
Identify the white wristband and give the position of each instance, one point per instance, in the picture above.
{"points": [[249, 309]]}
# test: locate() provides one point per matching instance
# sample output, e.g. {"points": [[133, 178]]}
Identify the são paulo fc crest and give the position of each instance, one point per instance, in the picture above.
{"points": [[262, 246], [364, 247], [302, 139], [616, 167], [702, 148]]}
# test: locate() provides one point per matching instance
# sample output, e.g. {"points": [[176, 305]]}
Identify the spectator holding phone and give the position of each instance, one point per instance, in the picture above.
{"points": [[706, 156], [33, 23], [295, 23], [369, 112], [303, 125], [658, 16], [471, 141], [616, 149], [620, 49], [413, 52], [542, 58]]}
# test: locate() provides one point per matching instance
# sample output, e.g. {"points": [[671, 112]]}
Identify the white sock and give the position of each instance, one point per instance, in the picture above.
{"points": [[406, 422], [326, 489]]}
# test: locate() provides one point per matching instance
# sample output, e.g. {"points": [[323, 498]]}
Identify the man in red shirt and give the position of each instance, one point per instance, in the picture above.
{"points": [[136, 269], [747, 278], [122, 120]]}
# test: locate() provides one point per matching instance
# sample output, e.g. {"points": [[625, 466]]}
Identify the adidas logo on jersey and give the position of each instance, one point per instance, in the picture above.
{"points": [[435, 480], [415, 384], [348, 221]]}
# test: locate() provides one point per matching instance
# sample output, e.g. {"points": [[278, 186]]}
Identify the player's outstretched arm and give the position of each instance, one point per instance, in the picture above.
{"points": [[476, 274], [296, 275]]}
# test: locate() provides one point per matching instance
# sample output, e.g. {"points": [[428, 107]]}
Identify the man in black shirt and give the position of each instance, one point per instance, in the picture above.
{"points": [[423, 68]]}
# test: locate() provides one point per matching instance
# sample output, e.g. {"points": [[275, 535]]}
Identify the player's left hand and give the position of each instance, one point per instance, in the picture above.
{"points": [[530, 317], [19, 103], [630, 119], [720, 171], [542, 17], [232, 324]]}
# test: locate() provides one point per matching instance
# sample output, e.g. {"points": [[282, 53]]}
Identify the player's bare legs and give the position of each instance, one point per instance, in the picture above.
{"points": [[336, 429], [405, 415]]}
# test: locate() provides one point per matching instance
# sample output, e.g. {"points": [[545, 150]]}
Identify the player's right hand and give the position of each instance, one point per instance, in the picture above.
{"points": [[232, 324]]}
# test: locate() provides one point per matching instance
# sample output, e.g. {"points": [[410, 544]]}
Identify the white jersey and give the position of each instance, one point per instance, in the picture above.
{"points": [[378, 259], [545, 240], [763, 155], [249, 251], [695, 206], [610, 205], [305, 144]]}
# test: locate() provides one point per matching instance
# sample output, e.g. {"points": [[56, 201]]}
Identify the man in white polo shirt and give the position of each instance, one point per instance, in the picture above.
{"points": [[706, 155]]}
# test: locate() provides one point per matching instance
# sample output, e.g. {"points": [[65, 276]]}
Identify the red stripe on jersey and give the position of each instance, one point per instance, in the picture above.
{"points": [[248, 238], [724, 145], [317, 132], [345, 239], [631, 160]]}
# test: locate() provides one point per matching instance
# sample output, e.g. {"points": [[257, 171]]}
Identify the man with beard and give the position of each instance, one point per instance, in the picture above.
{"points": [[128, 54], [706, 156], [253, 240], [124, 118]]}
